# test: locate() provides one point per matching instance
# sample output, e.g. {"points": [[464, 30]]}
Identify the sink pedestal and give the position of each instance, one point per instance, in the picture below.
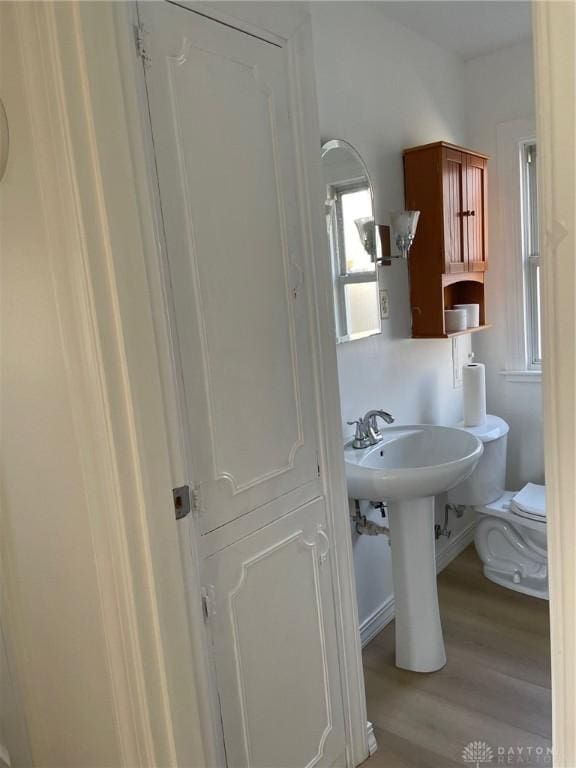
{"points": [[419, 641], [407, 468]]}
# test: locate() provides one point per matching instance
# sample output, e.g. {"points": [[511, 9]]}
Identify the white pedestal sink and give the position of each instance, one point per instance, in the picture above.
{"points": [[410, 466]]}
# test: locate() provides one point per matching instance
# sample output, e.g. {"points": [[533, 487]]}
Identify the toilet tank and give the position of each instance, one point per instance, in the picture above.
{"points": [[487, 482]]}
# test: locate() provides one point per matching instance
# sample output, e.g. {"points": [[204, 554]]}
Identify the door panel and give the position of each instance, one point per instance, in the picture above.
{"points": [[273, 635], [476, 209], [453, 190], [220, 116]]}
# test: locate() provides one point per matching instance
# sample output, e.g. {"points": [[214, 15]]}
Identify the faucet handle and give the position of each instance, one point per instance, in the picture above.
{"points": [[360, 439], [359, 423]]}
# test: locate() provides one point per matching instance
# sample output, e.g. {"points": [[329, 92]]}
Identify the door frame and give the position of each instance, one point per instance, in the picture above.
{"points": [[95, 240], [555, 62], [285, 24]]}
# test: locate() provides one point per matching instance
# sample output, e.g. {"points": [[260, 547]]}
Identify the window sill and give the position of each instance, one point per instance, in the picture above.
{"points": [[522, 377]]}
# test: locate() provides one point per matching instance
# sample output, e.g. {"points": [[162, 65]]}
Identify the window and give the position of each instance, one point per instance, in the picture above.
{"points": [[531, 256], [356, 285]]}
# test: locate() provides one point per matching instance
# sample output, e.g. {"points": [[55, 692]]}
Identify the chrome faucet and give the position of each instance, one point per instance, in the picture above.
{"points": [[371, 418], [367, 432]]}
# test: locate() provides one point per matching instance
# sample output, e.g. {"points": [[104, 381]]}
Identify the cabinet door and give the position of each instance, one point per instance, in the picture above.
{"points": [[274, 641], [476, 207], [453, 182], [221, 121]]}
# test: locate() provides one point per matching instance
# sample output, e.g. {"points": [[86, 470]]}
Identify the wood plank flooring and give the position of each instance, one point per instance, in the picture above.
{"points": [[495, 687]]}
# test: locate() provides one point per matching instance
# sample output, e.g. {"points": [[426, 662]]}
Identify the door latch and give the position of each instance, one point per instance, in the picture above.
{"points": [[182, 501]]}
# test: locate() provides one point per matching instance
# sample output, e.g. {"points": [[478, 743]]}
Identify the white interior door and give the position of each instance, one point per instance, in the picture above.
{"points": [[273, 633], [224, 144]]}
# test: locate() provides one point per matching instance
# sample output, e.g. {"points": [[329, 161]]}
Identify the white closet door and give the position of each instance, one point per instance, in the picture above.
{"points": [[274, 640], [224, 145]]}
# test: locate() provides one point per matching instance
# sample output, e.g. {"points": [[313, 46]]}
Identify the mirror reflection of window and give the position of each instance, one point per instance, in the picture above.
{"points": [[356, 205], [353, 242]]}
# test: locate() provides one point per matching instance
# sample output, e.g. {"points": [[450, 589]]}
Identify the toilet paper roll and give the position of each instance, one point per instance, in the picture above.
{"points": [[474, 394], [473, 311], [455, 320]]}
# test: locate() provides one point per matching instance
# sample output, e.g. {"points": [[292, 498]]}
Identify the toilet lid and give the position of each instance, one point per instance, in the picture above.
{"points": [[530, 502]]}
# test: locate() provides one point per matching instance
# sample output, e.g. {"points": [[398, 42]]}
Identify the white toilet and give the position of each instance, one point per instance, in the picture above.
{"points": [[511, 533]]}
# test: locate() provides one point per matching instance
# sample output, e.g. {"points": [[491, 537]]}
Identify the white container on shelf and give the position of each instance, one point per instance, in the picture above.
{"points": [[473, 312], [455, 320]]}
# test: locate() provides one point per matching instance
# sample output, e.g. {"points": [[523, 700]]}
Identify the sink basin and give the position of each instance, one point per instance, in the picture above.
{"points": [[407, 469], [411, 462]]}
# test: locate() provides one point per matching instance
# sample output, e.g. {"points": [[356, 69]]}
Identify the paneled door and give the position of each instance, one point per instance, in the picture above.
{"points": [[225, 154], [272, 628], [454, 192], [221, 111], [476, 207]]}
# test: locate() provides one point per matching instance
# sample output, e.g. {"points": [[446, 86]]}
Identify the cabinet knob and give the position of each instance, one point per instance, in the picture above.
{"points": [[472, 213]]}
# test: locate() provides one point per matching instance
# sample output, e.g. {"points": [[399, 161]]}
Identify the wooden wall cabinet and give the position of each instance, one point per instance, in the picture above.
{"points": [[447, 261]]}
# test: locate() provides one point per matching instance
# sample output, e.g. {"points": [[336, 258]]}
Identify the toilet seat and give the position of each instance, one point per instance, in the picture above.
{"points": [[530, 503]]}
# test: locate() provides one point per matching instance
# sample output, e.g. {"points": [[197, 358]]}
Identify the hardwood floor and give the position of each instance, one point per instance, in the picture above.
{"points": [[495, 687]]}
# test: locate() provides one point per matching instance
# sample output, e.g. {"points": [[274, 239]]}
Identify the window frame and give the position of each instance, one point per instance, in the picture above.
{"points": [[506, 278], [530, 253]]}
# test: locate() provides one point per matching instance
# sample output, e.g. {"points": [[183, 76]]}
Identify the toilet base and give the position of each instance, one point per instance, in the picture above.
{"points": [[514, 555], [534, 589]]}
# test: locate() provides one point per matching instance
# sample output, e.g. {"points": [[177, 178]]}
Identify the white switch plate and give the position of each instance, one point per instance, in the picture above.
{"points": [[384, 304]]}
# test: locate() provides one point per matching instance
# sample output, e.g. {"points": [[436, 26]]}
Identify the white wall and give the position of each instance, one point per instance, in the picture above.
{"points": [[383, 88], [500, 89]]}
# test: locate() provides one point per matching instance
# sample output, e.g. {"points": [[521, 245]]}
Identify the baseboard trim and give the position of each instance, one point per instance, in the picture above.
{"points": [[372, 743], [383, 615], [377, 621]]}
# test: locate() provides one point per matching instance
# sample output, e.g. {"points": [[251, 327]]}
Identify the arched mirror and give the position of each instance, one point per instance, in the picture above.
{"points": [[353, 241]]}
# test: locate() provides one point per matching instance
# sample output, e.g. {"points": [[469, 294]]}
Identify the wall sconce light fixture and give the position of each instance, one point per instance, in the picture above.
{"points": [[404, 225]]}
